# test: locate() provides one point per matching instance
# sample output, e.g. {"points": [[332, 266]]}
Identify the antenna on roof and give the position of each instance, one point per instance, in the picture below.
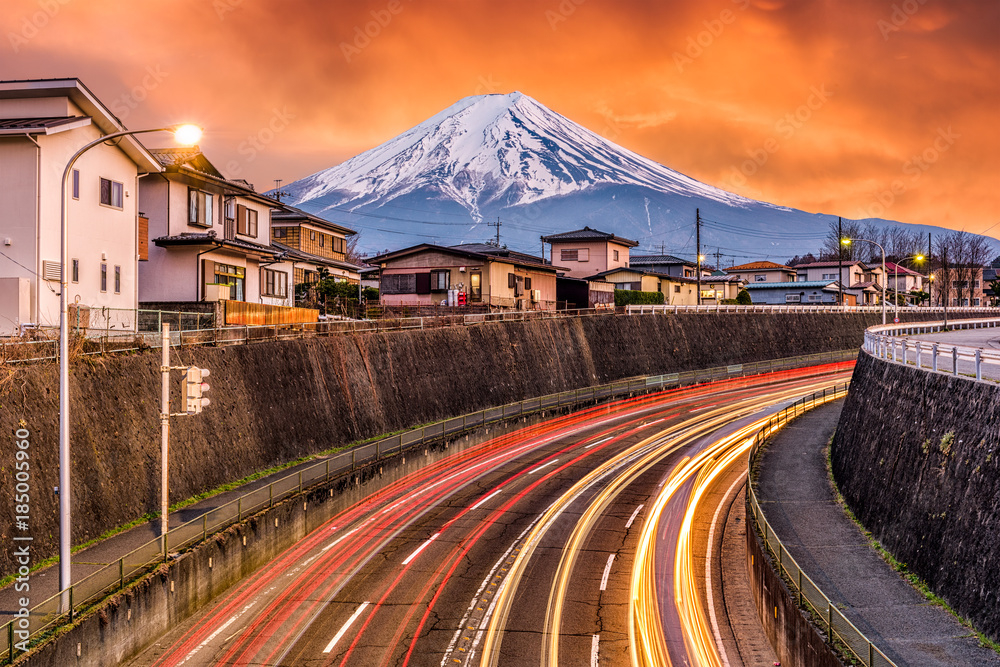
{"points": [[278, 192]]}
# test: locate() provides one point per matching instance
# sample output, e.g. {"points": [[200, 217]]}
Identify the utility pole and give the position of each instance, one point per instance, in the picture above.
{"points": [[840, 259], [497, 225], [718, 257], [930, 272], [945, 278], [697, 242]]}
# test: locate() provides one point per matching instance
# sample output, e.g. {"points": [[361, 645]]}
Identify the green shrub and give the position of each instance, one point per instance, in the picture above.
{"points": [[743, 298], [636, 298]]}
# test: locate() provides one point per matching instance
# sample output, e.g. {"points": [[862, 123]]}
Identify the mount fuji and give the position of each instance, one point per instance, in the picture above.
{"points": [[508, 157]]}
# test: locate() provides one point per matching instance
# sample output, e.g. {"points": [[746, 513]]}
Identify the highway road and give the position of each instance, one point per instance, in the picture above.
{"points": [[580, 540]]}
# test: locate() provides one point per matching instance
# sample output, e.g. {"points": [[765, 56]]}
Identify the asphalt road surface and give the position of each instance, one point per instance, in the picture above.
{"points": [[590, 539]]}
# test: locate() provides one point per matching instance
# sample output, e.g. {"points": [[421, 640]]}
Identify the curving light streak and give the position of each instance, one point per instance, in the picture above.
{"points": [[647, 645]]}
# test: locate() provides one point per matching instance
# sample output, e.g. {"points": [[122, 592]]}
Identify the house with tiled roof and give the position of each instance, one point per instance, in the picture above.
{"points": [[804, 293], [471, 274], [587, 251], [763, 272], [210, 241], [676, 290], [42, 124], [666, 265], [861, 280], [311, 246]]}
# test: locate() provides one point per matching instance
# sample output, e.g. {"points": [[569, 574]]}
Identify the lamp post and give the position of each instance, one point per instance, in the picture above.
{"points": [[848, 242], [184, 134], [895, 281]]}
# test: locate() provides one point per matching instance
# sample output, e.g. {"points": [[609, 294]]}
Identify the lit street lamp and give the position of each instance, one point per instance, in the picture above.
{"points": [[848, 242], [895, 281], [184, 134]]}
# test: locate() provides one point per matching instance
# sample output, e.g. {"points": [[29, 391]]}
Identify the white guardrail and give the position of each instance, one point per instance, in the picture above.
{"points": [[892, 342], [765, 308]]}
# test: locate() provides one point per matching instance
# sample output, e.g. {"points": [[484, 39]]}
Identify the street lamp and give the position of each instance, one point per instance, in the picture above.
{"points": [[184, 134], [848, 242], [895, 281]]}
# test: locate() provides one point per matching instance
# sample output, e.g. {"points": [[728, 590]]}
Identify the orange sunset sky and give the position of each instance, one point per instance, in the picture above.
{"points": [[854, 108]]}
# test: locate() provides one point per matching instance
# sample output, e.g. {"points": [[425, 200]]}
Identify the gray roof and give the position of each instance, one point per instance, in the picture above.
{"points": [[286, 213], [295, 253], [659, 259], [805, 284], [212, 239], [588, 234], [24, 125]]}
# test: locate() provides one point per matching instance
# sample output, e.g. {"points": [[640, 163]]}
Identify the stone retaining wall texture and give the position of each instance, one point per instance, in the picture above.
{"points": [[276, 401], [916, 458]]}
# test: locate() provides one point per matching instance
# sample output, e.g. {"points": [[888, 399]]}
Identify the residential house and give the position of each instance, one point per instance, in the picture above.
{"points": [[804, 292], [587, 251], [475, 274], [964, 286], [902, 279], [312, 243], [210, 238], [763, 272], [862, 281], [677, 290], [43, 123], [665, 265]]}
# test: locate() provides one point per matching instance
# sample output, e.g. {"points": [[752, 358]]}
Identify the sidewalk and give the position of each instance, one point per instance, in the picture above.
{"points": [[795, 494]]}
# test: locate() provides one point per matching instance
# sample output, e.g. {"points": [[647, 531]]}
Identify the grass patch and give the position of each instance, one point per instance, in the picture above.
{"points": [[901, 568]]}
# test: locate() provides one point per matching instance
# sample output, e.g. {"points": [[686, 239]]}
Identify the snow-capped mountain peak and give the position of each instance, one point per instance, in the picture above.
{"points": [[490, 150]]}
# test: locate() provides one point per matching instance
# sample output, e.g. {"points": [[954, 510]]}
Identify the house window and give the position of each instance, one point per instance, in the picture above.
{"points": [[398, 283], [312, 235], [475, 286], [322, 240], [527, 283], [569, 255], [246, 221], [339, 244], [975, 301], [760, 278], [279, 232], [76, 184], [615, 253], [200, 208], [75, 271], [440, 281], [234, 276], [677, 289], [118, 280], [104, 277], [793, 298], [829, 276], [274, 283], [111, 193]]}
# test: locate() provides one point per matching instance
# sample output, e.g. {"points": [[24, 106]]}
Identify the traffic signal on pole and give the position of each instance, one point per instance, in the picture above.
{"points": [[193, 388]]}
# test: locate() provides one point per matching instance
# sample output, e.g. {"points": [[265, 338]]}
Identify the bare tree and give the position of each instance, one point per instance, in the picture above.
{"points": [[851, 229]]}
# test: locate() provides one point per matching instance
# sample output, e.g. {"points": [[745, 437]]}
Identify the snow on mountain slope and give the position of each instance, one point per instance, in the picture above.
{"points": [[509, 156], [495, 148]]}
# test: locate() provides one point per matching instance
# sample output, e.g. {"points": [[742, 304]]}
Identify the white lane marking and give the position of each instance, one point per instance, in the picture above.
{"points": [[420, 548], [595, 644], [544, 465], [607, 571], [704, 408], [594, 444], [216, 633], [485, 499], [336, 637], [708, 571], [631, 519], [334, 543]]}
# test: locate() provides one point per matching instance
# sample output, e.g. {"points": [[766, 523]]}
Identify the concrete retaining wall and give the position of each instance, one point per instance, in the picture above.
{"points": [[795, 640], [917, 458], [274, 402]]}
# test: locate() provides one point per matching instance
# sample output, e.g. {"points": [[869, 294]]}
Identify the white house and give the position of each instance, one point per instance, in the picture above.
{"points": [[209, 237], [587, 251], [763, 272], [863, 282], [42, 124]]}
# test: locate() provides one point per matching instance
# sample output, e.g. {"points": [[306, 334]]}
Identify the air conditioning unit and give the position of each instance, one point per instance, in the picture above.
{"points": [[536, 295]]}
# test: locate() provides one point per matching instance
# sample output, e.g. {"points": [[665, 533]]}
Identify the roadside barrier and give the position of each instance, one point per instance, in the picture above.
{"points": [[891, 343], [841, 633]]}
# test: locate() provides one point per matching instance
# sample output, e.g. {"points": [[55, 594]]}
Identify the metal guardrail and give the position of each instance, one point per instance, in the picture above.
{"points": [[764, 308], [840, 631], [114, 576], [890, 343]]}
